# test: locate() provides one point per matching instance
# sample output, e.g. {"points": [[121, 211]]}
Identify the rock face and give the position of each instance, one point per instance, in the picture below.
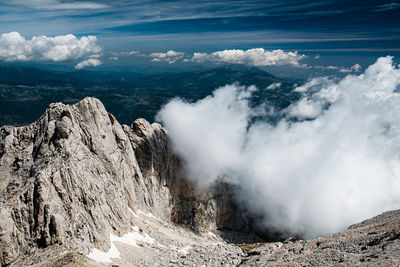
{"points": [[74, 176], [374, 242]]}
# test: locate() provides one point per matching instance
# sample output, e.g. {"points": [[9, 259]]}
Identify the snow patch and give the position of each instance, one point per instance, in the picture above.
{"points": [[113, 253], [211, 234], [105, 257], [185, 250], [132, 238], [146, 214], [132, 212]]}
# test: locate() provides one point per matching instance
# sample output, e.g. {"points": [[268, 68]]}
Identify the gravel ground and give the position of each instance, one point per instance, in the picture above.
{"points": [[175, 246]]}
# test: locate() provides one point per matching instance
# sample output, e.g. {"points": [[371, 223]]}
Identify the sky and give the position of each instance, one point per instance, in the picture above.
{"points": [[326, 35]]}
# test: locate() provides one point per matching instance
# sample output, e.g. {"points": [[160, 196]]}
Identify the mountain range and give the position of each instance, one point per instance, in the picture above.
{"points": [[25, 92]]}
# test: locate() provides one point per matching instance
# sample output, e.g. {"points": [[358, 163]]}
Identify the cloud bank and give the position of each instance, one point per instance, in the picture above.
{"points": [[273, 86], [253, 57], [306, 176], [14, 47], [171, 56], [91, 62], [354, 68]]}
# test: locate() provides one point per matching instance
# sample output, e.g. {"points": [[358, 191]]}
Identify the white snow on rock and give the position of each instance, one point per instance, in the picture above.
{"points": [[146, 214], [211, 234], [185, 250], [130, 239]]}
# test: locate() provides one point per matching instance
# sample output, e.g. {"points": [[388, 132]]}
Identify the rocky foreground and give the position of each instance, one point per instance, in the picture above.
{"points": [[79, 189], [374, 242]]}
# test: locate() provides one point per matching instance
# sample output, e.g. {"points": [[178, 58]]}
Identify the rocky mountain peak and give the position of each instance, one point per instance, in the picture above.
{"points": [[76, 175]]}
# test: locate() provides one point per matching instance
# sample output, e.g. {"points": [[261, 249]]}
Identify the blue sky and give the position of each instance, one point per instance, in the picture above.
{"points": [[325, 29]]}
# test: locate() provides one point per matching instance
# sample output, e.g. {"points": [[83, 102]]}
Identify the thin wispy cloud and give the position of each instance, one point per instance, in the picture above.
{"points": [[239, 24], [387, 7], [123, 54], [233, 36], [58, 4]]}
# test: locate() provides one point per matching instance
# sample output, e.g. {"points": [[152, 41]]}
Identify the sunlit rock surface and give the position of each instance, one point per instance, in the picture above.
{"points": [[374, 242], [71, 178]]}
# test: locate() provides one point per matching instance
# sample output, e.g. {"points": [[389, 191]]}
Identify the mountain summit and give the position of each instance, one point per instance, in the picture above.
{"points": [[76, 175]]}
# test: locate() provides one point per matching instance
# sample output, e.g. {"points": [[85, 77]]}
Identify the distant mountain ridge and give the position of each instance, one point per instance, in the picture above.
{"points": [[36, 76], [27, 75], [26, 92]]}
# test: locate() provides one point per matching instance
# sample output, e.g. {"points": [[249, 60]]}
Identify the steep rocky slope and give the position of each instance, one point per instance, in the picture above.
{"points": [[151, 242], [72, 178]]}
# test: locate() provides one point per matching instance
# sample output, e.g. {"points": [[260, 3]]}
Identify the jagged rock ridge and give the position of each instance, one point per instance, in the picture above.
{"points": [[73, 176]]}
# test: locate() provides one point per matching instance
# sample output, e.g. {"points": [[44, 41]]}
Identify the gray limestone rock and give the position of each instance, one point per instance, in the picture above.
{"points": [[72, 177], [374, 242]]}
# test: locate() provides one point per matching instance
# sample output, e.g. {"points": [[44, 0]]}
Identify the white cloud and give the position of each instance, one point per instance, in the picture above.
{"points": [[95, 56], [91, 62], [133, 52], [318, 93], [254, 57], [123, 54], [171, 56], [126, 53], [330, 67], [313, 176], [58, 4], [320, 81], [354, 68], [273, 86], [14, 47]]}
